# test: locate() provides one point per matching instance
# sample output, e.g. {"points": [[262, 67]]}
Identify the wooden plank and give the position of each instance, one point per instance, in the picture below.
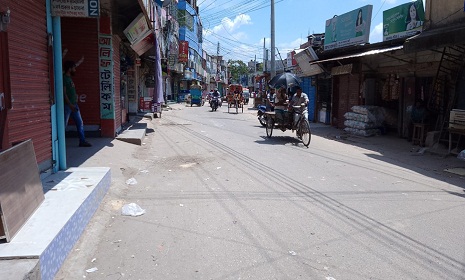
{"points": [[21, 190]]}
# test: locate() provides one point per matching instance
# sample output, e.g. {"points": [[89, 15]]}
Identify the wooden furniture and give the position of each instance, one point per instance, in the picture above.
{"points": [[454, 131], [21, 190], [419, 133]]}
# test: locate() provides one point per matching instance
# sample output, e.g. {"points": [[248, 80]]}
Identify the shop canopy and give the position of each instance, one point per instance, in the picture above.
{"points": [[371, 52], [436, 38]]}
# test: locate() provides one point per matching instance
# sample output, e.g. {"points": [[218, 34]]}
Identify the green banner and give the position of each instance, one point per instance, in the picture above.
{"points": [[352, 28], [403, 21]]}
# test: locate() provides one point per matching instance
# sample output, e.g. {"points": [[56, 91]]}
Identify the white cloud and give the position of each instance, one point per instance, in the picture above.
{"points": [[230, 29], [288, 47], [238, 21], [376, 35]]}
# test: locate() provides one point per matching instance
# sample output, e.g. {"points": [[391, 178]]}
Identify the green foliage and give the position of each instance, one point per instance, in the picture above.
{"points": [[237, 68]]}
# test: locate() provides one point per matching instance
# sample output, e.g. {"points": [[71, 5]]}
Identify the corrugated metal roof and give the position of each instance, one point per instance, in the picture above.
{"points": [[378, 51]]}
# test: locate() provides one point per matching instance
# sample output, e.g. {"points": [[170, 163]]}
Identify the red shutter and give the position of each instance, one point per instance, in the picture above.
{"points": [[80, 38], [30, 84]]}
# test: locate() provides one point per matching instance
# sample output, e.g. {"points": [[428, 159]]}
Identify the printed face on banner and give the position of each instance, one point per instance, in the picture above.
{"points": [[352, 28], [403, 21]]}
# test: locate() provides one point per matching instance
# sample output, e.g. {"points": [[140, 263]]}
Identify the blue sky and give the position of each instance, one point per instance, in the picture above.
{"points": [[241, 25]]}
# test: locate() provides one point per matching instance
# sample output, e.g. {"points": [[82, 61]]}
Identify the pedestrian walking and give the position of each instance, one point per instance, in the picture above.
{"points": [[71, 104]]}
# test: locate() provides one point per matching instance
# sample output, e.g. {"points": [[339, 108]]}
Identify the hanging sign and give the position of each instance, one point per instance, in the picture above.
{"points": [[107, 99], [137, 30], [183, 52], [75, 8]]}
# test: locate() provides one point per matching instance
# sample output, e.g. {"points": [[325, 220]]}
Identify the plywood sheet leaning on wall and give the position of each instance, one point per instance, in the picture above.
{"points": [[21, 190]]}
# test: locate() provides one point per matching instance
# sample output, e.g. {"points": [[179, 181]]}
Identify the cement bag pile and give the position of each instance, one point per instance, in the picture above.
{"points": [[364, 120]]}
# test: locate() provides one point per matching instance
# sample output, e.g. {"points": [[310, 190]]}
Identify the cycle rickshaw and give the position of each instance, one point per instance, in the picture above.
{"points": [[298, 123], [235, 101]]}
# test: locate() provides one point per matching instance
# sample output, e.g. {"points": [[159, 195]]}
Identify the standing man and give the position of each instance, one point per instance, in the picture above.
{"points": [[71, 98]]}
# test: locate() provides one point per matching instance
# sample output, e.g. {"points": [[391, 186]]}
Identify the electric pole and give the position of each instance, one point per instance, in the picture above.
{"points": [[218, 67], [273, 48]]}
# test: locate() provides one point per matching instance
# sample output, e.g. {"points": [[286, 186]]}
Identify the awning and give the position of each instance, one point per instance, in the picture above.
{"points": [[436, 38], [302, 57], [372, 52]]}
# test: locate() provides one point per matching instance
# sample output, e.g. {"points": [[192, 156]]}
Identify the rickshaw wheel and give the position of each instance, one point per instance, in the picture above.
{"points": [[305, 132], [269, 126]]}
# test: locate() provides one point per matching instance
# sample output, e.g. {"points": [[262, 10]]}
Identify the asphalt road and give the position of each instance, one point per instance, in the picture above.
{"points": [[224, 202]]}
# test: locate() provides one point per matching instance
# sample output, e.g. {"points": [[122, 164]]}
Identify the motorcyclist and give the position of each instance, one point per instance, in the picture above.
{"points": [[216, 93], [215, 97]]}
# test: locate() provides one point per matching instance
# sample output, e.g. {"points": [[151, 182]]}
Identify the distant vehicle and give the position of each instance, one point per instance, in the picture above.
{"points": [[196, 96], [232, 89], [246, 95]]}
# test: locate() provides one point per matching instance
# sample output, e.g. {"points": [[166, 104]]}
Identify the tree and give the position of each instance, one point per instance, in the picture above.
{"points": [[237, 68]]}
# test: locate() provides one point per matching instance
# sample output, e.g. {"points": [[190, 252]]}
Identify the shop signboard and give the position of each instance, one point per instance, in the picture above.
{"points": [[75, 8], [137, 30], [144, 45], [106, 76], [172, 60], [349, 29], [290, 61], [145, 103], [183, 52], [131, 85], [403, 21]]}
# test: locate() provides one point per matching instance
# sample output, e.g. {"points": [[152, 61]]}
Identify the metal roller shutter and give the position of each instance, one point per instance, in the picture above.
{"points": [[30, 83], [80, 38]]}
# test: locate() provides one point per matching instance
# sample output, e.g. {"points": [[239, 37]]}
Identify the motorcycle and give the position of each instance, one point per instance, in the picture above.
{"points": [[214, 103], [261, 114]]}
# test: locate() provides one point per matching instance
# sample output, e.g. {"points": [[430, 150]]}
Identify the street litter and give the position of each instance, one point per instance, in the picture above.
{"points": [[461, 155], [292, 253], [456, 171], [144, 171], [131, 181], [93, 260], [90, 270], [132, 209]]}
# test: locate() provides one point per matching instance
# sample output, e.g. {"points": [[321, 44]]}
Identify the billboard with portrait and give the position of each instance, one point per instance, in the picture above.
{"points": [[352, 28], [403, 21]]}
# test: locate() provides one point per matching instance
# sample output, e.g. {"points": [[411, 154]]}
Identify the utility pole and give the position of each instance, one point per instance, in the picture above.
{"points": [[218, 66], [254, 72], [265, 57], [273, 54]]}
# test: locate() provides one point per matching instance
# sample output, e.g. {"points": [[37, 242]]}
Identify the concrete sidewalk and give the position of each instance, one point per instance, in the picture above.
{"points": [[71, 197], [394, 149], [136, 130]]}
